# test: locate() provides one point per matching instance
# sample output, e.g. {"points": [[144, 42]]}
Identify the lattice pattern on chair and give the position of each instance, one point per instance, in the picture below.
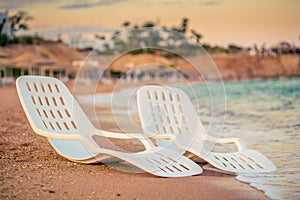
{"points": [[54, 112], [172, 102], [167, 112], [239, 161], [165, 164], [161, 112]]}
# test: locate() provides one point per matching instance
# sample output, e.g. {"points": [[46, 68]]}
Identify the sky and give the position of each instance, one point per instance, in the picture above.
{"points": [[221, 22]]}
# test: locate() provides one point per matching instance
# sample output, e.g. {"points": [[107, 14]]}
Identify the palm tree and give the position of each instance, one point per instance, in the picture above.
{"points": [[184, 24], [100, 37], [148, 24], [197, 35], [19, 21], [126, 24]]}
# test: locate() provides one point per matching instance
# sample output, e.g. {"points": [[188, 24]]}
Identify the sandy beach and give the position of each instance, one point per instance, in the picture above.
{"points": [[31, 169]]}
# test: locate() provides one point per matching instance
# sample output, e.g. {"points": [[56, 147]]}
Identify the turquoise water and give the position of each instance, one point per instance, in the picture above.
{"points": [[265, 114]]}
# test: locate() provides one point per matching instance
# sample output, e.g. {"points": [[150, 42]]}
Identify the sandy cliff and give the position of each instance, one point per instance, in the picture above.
{"points": [[232, 66], [242, 66]]}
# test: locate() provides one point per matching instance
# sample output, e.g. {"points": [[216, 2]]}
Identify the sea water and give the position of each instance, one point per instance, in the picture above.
{"points": [[265, 114]]}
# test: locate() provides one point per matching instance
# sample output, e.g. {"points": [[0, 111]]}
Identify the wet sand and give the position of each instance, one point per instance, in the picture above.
{"points": [[31, 169]]}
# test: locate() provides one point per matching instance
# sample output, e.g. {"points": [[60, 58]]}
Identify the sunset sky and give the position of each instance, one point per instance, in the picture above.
{"points": [[220, 21]]}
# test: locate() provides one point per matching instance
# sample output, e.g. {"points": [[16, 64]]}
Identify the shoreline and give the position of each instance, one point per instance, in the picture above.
{"points": [[30, 168]]}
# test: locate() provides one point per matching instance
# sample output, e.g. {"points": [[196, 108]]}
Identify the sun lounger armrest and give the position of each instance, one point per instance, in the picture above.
{"points": [[144, 139], [240, 144]]}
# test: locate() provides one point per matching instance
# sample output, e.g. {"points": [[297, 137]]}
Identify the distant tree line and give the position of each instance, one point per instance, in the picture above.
{"points": [[182, 28], [17, 22]]}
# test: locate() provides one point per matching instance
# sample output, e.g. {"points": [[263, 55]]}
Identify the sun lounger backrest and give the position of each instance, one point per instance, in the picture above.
{"points": [[167, 110], [49, 105]]}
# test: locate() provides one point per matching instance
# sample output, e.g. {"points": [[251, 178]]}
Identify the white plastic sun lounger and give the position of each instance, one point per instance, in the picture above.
{"points": [[54, 113], [167, 113]]}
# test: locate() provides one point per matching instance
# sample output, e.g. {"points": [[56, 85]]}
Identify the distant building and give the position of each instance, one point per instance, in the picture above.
{"points": [[4, 23], [90, 72], [151, 72]]}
